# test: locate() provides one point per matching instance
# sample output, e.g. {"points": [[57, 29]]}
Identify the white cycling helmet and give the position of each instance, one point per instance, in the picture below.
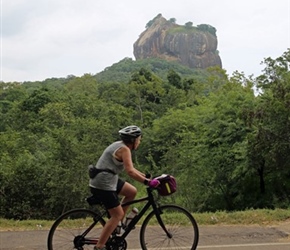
{"points": [[130, 132]]}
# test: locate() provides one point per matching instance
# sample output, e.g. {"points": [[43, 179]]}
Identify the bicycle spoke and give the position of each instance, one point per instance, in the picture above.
{"points": [[178, 222]]}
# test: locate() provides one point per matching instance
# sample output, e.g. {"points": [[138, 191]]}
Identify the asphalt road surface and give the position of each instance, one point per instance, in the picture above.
{"points": [[274, 237]]}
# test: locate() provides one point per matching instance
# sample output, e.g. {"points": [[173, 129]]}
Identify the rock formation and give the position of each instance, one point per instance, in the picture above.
{"points": [[191, 46]]}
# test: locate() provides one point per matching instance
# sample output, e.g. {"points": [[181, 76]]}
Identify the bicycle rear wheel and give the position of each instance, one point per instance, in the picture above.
{"points": [[179, 223], [75, 229]]}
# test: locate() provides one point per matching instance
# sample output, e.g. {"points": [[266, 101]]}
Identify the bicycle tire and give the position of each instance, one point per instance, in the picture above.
{"points": [[180, 224], [66, 230]]}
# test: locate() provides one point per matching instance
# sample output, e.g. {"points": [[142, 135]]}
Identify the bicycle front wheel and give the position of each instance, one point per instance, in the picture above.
{"points": [[179, 223], [76, 229]]}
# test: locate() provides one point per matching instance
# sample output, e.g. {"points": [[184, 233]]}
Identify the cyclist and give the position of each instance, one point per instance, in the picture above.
{"points": [[106, 185]]}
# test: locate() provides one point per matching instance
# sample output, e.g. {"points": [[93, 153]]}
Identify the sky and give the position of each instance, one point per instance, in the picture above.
{"points": [[43, 39]]}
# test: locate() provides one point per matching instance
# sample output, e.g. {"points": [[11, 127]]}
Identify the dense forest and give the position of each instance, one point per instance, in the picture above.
{"points": [[226, 139]]}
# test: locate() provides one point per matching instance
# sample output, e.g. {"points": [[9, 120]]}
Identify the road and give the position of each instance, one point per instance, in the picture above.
{"points": [[274, 237]]}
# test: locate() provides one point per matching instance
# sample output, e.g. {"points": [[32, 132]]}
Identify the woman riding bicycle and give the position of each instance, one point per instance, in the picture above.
{"points": [[107, 185]]}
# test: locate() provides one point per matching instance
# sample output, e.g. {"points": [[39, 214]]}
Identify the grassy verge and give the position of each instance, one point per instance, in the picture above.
{"points": [[15, 225], [249, 217]]}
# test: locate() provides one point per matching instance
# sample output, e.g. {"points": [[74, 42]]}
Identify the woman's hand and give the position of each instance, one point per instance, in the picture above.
{"points": [[154, 183]]}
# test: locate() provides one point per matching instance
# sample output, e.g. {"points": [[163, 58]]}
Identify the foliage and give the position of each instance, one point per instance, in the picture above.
{"points": [[227, 148], [188, 25], [122, 71], [186, 29], [208, 28], [271, 123], [172, 20]]}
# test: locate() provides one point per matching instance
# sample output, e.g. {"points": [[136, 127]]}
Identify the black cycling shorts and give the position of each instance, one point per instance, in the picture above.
{"points": [[109, 198]]}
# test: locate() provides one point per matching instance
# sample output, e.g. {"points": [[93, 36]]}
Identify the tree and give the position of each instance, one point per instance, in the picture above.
{"points": [[270, 143], [228, 148], [172, 20], [188, 25], [205, 145], [37, 100], [174, 79], [145, 92], [208, 28]]}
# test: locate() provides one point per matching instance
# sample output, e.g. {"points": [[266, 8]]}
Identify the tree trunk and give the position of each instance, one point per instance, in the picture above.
{"points": [[261, 176]]}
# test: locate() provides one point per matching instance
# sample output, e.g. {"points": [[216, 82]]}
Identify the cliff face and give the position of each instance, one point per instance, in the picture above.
{"points": [[189, 46]]}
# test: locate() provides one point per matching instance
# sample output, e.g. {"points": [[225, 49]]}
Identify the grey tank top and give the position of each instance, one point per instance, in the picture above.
{"points": [[105, 180]]}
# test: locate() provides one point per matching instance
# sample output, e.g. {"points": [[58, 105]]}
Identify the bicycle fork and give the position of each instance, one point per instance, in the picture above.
{"points": [[158, 213]]}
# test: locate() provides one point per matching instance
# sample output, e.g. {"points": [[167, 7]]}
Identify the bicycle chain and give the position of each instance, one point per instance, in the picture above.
{"points": [[117, 243]]}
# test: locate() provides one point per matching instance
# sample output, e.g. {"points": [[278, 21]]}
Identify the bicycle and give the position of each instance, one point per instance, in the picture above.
{"points": [[164, 227]]}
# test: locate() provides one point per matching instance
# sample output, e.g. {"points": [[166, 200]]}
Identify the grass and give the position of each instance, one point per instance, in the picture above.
{"points": [[182, 29], [249, 217], [15, 225]]}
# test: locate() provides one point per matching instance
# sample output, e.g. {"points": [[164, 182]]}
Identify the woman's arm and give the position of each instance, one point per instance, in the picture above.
{"points": [[134, 173]]}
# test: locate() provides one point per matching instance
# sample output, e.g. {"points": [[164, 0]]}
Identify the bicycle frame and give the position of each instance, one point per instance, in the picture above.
{"points": [[150, 203]]}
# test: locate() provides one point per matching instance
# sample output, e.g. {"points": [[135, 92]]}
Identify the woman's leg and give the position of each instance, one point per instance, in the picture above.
{"points": [[129, 192], [116, 214]]}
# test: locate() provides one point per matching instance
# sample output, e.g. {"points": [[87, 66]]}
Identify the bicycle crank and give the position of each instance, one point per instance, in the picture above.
{"points": [[117, 243]]}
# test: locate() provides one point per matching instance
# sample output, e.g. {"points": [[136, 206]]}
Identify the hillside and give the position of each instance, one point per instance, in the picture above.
{"points": [[122, 71]]}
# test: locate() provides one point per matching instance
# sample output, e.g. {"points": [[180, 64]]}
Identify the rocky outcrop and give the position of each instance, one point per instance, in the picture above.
{"points": [[190, 46]]}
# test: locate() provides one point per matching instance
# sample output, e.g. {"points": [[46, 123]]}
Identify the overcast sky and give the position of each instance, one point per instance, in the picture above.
{"points": [[42, 39]]}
